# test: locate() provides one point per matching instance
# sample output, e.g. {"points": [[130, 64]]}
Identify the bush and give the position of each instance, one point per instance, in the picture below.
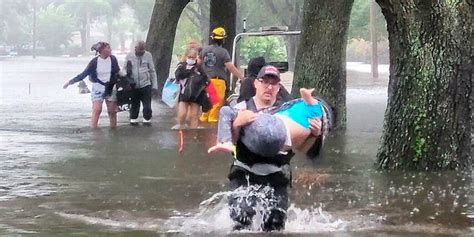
{"points": [[360, 50], [55, 27]]}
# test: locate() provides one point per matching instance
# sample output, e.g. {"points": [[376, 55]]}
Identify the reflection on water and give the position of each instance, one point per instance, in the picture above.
{"points": [[59, 177]]}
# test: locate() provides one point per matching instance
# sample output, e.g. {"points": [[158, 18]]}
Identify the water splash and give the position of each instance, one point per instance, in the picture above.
{"points": [[213, 216]]}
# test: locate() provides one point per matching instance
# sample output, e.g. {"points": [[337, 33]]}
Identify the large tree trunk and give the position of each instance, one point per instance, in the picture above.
{"points": [[160, 38], [321, 57], [428, 117], [223, 13]]}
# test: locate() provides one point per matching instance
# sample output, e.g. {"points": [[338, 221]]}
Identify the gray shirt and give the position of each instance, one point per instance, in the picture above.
{"points": [[143, 70], [214, 58]]}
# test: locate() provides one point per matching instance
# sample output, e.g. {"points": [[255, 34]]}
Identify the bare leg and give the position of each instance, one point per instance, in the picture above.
{"points": [[224, 130], [96, 110], [307, 97], [182, 111], [224, 147], [112, 111], [193, 113]]}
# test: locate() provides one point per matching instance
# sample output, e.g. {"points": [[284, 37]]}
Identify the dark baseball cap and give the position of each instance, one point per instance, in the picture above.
{"points": [[269, 70]]}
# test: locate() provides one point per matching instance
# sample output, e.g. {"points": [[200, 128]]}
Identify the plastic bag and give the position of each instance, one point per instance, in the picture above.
{"points": [[170, 92]]}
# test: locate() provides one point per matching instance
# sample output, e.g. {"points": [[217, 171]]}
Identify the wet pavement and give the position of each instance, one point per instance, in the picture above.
{"points": [[59, 177]]}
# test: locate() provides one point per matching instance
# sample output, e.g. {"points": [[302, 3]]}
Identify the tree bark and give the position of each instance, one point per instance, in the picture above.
{"points": [[223, 13], [161, 34], [428, 118], [321, 56]]}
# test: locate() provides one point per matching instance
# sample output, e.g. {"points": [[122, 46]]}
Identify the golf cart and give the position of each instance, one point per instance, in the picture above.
{"points": [[280, 62]]}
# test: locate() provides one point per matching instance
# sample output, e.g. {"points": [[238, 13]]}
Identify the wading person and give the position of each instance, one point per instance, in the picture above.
{"points": [[215, 61], [252, 169], [140, 66], [192, 95], [102, 71]]}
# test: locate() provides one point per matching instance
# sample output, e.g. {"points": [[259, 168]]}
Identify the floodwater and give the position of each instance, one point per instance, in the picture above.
{"points": [[59, 177]]}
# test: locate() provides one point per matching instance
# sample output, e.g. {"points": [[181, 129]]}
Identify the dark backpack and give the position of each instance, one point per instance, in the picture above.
{"points": [[124, 86]]}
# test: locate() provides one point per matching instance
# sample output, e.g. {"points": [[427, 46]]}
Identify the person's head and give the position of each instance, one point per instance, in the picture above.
{"points": [[265, 136], [267, 85], [193, 44], [140, 48], [254, 66], [191, 56], [103, 48], [218, 35]]}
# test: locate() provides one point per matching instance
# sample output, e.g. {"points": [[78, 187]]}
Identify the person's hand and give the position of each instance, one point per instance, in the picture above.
{"points": [[315, 126], [66, 84], [244, 117], [154, 92]]}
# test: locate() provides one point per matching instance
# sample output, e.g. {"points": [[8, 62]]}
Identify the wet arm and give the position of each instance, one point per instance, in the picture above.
{"points": [[314, 143], [231, 67], [82, 75], [243, 118]]}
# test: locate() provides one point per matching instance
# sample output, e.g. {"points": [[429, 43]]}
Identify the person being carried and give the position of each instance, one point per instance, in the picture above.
{"points": [[274, 130]]}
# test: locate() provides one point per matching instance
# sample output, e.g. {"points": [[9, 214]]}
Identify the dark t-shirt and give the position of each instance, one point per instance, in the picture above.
{"points": [[214, 58]]}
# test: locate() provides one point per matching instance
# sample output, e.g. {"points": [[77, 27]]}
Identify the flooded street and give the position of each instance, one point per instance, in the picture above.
{"points": [[60, 177]]}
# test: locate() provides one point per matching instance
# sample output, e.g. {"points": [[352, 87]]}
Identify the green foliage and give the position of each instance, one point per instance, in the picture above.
{"points": [[359, 23], [80, 9], [269, 12], [15, 22], [55, 26], [16, 19], [185, 31], [270, 47], [360, 50]]}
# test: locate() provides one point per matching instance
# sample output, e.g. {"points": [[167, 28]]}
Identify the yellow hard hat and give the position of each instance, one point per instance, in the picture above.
{"points": [[218, 33]]}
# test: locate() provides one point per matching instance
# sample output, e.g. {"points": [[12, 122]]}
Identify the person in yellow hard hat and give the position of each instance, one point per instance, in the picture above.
{"points": [[215, 61]]}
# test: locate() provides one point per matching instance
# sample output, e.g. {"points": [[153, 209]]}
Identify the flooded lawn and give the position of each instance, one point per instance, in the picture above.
{"points": [[59, 177]]}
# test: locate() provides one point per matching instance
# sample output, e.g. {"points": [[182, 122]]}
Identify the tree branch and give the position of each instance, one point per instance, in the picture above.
{"points": [[193, 20]]}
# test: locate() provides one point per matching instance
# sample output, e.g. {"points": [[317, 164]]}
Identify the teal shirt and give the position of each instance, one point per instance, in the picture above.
{"points": [[300, 112]]}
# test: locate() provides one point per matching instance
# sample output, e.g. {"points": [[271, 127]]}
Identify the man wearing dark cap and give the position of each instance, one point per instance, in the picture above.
{"points": [[247, 89], [251, 169]]}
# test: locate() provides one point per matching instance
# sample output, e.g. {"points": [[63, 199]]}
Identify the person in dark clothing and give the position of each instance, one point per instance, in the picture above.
{"points": [[247, 89], [271, 176], [102, 71], [193, 81], [216, 62]]}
